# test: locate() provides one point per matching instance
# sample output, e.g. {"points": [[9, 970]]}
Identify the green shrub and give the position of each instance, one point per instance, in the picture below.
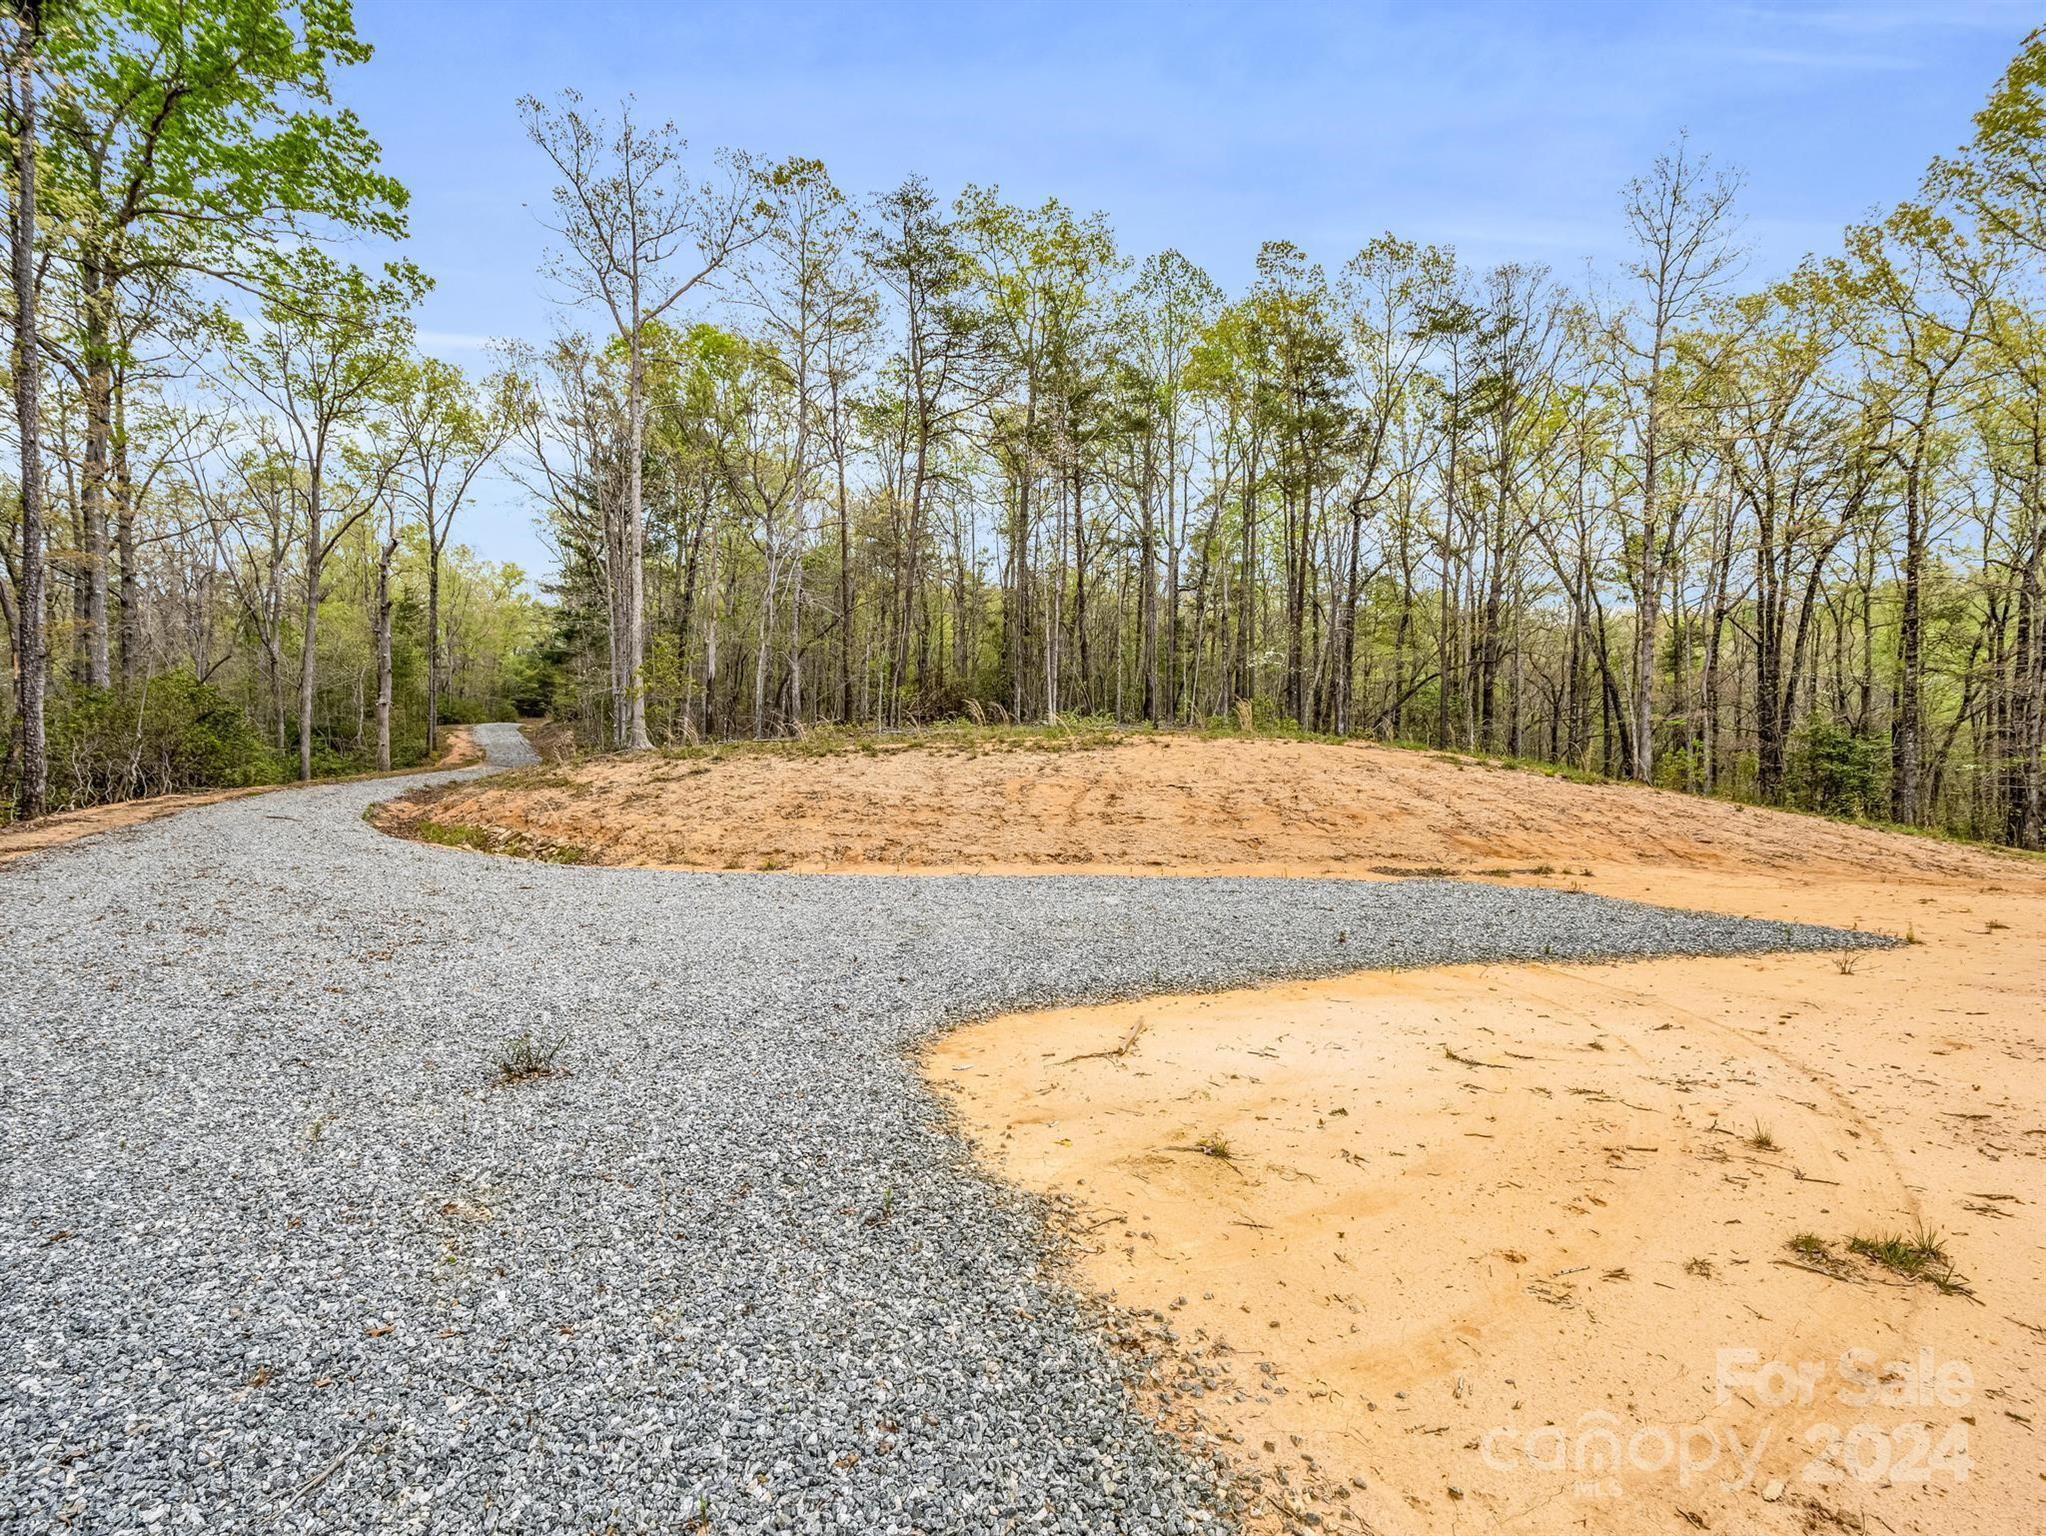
{"points": [[457, 711], [1835, 771], [169, 734]]}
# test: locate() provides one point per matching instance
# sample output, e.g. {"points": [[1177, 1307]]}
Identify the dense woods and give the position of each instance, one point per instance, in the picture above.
{"points": [[809, 456], [927, 456], [229, 558]]}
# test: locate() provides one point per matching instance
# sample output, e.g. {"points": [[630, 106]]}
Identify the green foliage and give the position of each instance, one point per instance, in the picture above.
{"points": [[1837, 772], [474, 711], [170, 734], [2000, 173], [455, 834], [217, 122], [1922, 1255]]}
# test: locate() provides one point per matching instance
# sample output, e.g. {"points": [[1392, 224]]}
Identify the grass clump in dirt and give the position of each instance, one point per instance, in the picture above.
{"points": [[525, 1057], [1812, 1248], [1921, 1256], [1762, 1139]]}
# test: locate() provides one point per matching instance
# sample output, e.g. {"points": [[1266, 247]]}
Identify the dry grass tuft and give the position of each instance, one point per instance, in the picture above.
{"points": [[523, 1058]]}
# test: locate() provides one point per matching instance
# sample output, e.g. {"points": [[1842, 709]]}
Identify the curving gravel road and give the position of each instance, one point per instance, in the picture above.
{"points": [[276, 1255]]}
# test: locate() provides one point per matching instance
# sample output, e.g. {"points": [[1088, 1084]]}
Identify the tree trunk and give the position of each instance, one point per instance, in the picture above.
{"points": [[433, 544], [1080, 598], [845, 587], [32, 788], [385, 555], [308, 651], [1147, 599], [96, 300], [1648, 591], [636, 739], [1904, 726], [761, 647], [124, 526]]}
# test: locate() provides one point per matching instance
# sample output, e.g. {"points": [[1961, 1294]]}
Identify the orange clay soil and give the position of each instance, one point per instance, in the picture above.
{"points": [[1472, 1225], [1149, 805], [64, 827], [1435, 1286]]}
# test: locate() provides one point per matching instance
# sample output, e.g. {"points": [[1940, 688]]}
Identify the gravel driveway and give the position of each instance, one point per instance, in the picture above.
{"points": [[277, 1255]]}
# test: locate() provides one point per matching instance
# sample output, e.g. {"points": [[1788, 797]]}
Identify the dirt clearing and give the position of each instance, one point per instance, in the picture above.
{"points": [[1725, 1245], [1177, 805], [1569, 1248]]}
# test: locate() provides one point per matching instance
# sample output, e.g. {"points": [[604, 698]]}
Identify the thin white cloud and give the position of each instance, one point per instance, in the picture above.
{"points": [[1814, 58], [1870, 20], [455, 341]]}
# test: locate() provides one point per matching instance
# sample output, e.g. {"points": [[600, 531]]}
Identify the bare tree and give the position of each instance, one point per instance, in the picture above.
{"points": [[447, 438], [1681, 218], [637, 235], [321, 360], [564, 413]]}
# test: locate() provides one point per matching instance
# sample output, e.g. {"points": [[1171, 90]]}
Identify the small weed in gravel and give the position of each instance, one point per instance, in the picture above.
{"points": [[523, 1057]]}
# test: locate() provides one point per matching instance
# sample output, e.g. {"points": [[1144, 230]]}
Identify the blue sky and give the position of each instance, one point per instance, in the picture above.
{"points": [[1503, 129]]}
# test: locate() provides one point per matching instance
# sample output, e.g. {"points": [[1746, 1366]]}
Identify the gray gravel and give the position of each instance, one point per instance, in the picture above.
{"points": [[275, 1255]]}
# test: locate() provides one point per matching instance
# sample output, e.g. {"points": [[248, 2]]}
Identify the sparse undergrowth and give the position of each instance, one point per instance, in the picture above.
{"points": [[552, 739], [1813, 1249], [406, 817], [488, 840], [1214, 1144]]}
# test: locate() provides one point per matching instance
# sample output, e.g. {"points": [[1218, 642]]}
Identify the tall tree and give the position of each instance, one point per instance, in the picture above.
{"points": [[30, 662], [1914, 328], [637, 237], [1387, 291], [1681, 219], [328, 345], [1174, 300], [939, 374], [447, 437], [188, 141], [799, 284]]}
